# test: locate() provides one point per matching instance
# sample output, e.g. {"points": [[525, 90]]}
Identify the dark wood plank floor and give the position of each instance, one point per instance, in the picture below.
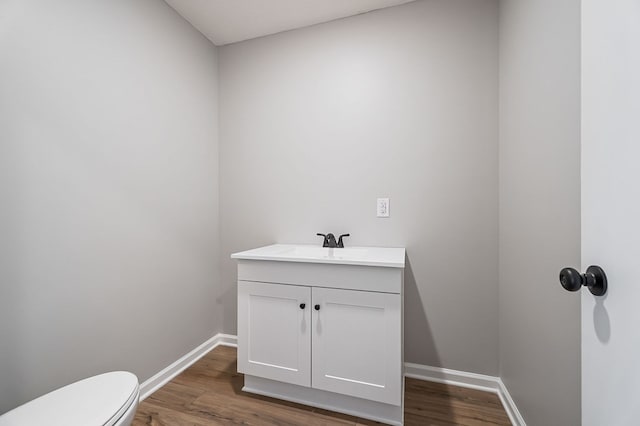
{"points": [[209, 393]]}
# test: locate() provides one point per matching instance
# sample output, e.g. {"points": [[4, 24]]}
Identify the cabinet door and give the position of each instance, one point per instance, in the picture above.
{"points": [[357, 339], [274, 340]]}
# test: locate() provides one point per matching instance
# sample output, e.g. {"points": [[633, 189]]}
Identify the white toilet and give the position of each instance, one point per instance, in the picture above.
{"points": [[110, 399]]}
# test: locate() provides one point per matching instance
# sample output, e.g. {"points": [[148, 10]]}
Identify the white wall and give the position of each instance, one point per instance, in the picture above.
{"points": [[402, 103], [108, 189], [540, 207]]}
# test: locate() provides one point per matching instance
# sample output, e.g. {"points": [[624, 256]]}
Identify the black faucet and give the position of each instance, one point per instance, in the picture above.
{"points": [[330, 240]]}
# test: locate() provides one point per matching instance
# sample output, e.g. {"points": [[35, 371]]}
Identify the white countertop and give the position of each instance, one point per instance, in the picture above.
{"points": [[390, 257]]}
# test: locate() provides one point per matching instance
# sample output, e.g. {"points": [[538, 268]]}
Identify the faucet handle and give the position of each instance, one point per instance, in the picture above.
{"points": [[325, 243], [340, 243]]}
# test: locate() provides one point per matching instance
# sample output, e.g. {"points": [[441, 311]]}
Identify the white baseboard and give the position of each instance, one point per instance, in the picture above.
{"points": [[416, 371], [452, 377], [227, 340], [467, 380], [163, 377], [510, 406]]}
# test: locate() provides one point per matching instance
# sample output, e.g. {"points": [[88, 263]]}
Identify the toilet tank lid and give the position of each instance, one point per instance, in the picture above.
{"points": [[97, 401]]}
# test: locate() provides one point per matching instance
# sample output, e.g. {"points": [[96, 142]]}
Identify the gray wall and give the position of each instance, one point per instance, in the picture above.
{"points": [[316, 123], [108, 185], [540, 207]]}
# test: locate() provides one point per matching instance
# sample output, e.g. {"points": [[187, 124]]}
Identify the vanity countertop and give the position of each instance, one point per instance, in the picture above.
{"points": [[389, 257]]}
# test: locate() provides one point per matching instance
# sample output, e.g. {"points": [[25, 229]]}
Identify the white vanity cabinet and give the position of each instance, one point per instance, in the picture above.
{"points": [[324, 327]]}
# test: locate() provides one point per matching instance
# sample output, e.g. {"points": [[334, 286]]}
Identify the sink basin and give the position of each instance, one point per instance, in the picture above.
{"points": [[366, 256]]}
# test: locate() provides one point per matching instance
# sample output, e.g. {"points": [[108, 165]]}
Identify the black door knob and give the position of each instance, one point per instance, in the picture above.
{"points": [[317, 307], [594, 279], [302, 305]]}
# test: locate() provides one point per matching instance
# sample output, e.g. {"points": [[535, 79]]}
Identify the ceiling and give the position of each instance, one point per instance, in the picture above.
{"points": [[229, 21]]}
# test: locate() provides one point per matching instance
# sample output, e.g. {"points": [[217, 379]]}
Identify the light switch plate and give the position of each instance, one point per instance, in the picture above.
{"points": [[382, 209]]}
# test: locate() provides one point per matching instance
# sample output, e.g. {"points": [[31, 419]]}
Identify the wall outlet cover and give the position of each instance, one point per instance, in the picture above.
{"points": [[382, 209]]}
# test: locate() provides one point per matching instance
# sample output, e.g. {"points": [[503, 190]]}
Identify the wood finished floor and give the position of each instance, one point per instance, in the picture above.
{"points": [[209, 393]]}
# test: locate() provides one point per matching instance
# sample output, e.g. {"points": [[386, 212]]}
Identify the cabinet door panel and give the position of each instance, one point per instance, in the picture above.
{"points": [[273, 332], [357, 344]]}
